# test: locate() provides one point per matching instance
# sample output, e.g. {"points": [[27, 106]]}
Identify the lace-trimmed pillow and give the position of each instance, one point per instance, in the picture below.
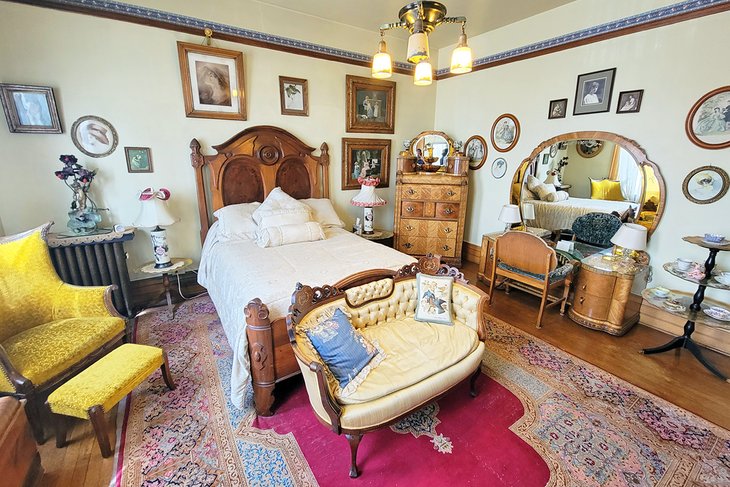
{"points": [[281, 209], [276, 236], [434, 299]]}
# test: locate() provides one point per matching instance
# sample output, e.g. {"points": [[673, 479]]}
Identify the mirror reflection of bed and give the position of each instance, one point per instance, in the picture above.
{"points": [[586, 172]]}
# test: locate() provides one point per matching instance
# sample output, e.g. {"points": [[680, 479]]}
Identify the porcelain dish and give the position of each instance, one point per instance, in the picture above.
{"points": [[718, 313], [660, 292], [714, 238], [673, 305]]}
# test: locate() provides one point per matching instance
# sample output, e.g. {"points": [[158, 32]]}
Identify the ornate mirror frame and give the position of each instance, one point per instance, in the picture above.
{"points": [[632, 147], [414, 140]]}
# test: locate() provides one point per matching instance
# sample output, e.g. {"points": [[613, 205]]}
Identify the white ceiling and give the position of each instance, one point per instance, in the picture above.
{"points": [[482, 15]]}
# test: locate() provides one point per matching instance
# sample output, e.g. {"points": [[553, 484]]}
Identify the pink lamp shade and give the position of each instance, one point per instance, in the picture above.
{"points": [[367, 199]]}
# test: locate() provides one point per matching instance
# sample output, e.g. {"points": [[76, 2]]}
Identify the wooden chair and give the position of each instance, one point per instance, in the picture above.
{"points": [[526, 262]]}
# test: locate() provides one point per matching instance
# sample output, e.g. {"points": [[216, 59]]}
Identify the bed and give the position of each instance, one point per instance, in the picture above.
{"points": [[250, 286], [561, 214]]}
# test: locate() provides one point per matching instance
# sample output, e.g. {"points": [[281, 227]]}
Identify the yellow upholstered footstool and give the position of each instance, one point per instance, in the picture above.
{"points": [[97, 389]]}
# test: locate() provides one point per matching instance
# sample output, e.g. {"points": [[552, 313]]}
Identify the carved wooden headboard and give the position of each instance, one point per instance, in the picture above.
{"points": [[252, 163]]}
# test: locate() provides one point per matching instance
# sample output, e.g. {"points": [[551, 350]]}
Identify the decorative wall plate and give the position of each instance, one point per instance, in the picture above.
{"points": [[705, 184]]}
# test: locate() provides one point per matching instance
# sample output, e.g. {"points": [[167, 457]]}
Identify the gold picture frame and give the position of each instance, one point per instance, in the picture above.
{"points": [[213, 82], [370, 105], [294, 96], [365, 157], [30, 109]]}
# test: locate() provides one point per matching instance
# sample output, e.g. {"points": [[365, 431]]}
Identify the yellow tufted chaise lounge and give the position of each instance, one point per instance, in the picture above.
{"points": [[421, 360], [49, 330]]}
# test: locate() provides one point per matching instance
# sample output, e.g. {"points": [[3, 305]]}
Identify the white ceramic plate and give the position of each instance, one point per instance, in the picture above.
{"points": [[722, 242], [673, 306], [718, 313]]}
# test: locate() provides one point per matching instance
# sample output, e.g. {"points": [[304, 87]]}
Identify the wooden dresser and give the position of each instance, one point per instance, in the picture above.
{"points": [[607, 295], [430, 211]]}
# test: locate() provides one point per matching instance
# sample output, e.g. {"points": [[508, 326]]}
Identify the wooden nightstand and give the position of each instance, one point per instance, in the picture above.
{"points": [[384, 237], [178, 266]]}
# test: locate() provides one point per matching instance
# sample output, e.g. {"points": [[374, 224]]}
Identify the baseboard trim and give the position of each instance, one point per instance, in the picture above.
{"points": [[471, 252]]}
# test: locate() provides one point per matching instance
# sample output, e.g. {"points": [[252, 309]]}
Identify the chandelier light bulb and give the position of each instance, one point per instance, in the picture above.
{"points": [[382, 64], [461, 59], [424, 74]]}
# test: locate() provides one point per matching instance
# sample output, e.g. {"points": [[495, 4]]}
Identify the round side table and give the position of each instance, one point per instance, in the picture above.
{"points": [[179, 265]]}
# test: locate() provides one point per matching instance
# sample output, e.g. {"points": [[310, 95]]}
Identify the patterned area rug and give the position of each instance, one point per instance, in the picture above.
{"points": [[583, 426]]}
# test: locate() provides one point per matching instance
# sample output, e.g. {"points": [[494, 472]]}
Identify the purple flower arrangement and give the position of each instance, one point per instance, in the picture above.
{"points": [[72, 169]]}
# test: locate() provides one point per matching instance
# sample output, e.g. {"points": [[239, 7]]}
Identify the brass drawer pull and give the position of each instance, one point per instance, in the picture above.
{"points": [[408, 227], [411, 191], [450, 193], [581, 299], [410, 209], [408, 245], [449, 210], [447, 230], [445, 247], [583, 287]]}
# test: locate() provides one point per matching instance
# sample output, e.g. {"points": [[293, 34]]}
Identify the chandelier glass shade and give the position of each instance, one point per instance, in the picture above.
{"points": [[420, 19]]}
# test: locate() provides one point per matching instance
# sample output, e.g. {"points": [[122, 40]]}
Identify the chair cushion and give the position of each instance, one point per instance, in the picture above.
{"points": [[46, 350], [414, 351], [556, 275], [343, 350], [434, 299]]}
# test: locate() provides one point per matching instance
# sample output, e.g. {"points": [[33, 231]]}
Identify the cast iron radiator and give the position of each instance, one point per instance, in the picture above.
{"points": [[95, 260]]}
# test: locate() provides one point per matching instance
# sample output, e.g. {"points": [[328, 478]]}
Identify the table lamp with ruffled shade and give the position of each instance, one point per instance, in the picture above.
{"points": [[367, 199], [154, 213]]}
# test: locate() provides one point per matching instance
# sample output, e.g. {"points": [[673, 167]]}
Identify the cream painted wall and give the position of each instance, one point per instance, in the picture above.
{"points": [[580, 170], [673, 64], [129, 75]]}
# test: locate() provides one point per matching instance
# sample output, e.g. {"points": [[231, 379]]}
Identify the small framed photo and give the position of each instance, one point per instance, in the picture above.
{"points": [[558, 108], [370, 105], [94, 136], [593, 92], [499, 167], [708, 121], [30, 109], [213, 82], [705, 184], [365, 157], [139, 159], [629, 101], [476, 151], [505, 132], [294, 96]]}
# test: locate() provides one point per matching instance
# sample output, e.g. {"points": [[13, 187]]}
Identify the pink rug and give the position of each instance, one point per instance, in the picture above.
{"points": [[458, 440]]}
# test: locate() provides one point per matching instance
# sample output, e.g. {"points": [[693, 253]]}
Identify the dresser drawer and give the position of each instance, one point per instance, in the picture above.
{"points": [[431, 192], [411, 208], [443, 228], [411, 244], [413, 228], [599, 285], [442, 246], [591, 306], [447, 193], [447, 210]]}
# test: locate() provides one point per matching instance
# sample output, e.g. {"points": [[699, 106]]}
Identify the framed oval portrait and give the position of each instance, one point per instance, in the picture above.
{"points": [[705, 184], [708, 121], [499, 167], [94, 136], [476, 150], [505, 132]]}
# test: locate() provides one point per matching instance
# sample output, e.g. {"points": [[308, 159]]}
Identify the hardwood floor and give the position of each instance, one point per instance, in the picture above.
{"points": [[676, 377]]}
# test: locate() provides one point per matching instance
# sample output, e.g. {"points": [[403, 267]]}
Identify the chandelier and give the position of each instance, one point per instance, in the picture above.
{"points": [[420, 19]]}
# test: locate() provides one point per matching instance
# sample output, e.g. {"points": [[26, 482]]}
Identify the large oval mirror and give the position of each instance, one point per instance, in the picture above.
{"points": [[591, 172], [433, 144]]}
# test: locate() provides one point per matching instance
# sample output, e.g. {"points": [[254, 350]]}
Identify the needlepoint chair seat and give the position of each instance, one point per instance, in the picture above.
{"points": [[49, 330]]}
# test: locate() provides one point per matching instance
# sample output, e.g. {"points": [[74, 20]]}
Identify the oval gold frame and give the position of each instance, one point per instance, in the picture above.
{"points": [[481, 162], [629, 145], [517, 132], [691, 115], [718, 196]]}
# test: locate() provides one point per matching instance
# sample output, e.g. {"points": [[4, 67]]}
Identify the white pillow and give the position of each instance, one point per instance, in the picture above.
{"points": [[278, 200], [288, 234], [557, 196], [532, 182], [545, 191], [236, 221], [283, 216], [323, 212]]}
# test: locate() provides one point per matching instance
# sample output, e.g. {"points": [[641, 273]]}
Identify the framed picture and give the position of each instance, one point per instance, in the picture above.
{"points": [[505, 132], [708, 121], [589, 147], [499, 168], [139, 159], [545, 159], [593, 93], [94, 136], [553, 150], [370, 105], [212, 81], [705, 184], [558, 108], [629, 101], [476, 151], [365, 157], [30, 109], [294, 96]]}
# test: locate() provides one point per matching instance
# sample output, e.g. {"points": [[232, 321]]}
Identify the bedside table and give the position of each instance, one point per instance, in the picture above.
{"points": [[179, 266], [384, 237]]}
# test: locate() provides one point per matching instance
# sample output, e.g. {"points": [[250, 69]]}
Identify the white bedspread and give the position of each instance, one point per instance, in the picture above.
{"points": [[235, 272], [561, 214]]}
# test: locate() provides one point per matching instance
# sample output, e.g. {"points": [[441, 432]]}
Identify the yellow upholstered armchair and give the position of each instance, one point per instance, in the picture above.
{"points": [[49, 330]]}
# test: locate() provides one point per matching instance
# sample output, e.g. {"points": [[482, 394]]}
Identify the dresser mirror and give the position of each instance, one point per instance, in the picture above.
{"points": [[432, 144], [591, 172]]}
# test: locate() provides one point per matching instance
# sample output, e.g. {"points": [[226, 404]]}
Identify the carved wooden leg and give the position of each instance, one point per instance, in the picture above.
{"points": [[61, 423], [35, 417], [354, 441], [96, 415], [473, 381], [542, 306], [166, 375], [566, 291], [261, 354]]}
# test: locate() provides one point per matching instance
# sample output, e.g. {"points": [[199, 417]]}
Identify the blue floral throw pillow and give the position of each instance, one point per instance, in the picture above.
{"points": [[434, 299], [345, 351]]}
